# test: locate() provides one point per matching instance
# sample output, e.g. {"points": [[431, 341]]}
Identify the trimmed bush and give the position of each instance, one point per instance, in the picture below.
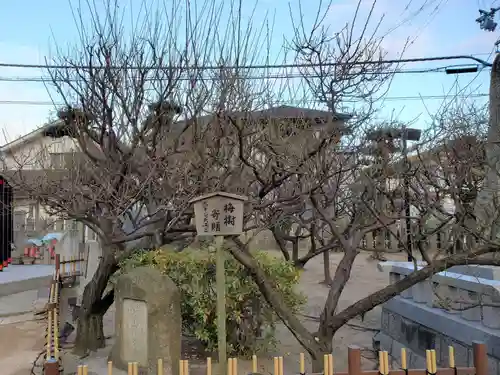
{"points": [[251, 323]]}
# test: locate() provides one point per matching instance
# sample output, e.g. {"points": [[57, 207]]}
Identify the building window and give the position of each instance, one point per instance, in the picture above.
{"points": [[363, 242], [57, 161], [90, 235], [61, 160]]}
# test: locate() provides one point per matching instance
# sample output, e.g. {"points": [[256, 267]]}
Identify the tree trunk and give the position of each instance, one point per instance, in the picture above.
{"points": [[326, 268], [89, 334], [295, 250], [317, 359], [281, 244]]}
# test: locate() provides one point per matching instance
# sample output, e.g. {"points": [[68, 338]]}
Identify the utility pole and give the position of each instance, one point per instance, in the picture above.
{"points": [[486, 21]]}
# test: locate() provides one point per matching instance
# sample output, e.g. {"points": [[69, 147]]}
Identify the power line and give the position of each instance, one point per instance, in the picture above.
{"points": [[249, 67], [389, 98], [441, 70]]}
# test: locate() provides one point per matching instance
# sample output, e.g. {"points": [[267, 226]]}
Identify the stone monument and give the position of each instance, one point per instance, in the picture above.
{"points": [[148, 321]]}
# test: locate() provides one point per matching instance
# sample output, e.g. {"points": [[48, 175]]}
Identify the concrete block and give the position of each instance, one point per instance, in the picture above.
{"points": [[491, 314], [421, 292], [416, 361], [394, 325], [426, 339], [408, 293], [452, 299], [409, 333], [470, 308], [493, 366], [384, 326], [451, 325], [482, 272], [461, 354], [381, 341], [445, 343]]}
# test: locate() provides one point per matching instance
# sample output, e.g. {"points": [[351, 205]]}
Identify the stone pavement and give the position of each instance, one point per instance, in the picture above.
{"points": [[20, 278]]}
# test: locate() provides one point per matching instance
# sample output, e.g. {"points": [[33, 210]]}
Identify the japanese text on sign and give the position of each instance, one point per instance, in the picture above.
{"points": [[219, 214], [205, 217], [216, 216]]}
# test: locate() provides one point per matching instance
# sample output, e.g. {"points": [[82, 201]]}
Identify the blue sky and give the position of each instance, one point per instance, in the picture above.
{"points": [[30, 31]]}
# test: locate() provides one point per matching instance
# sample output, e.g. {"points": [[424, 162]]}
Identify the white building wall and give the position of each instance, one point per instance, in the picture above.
{"points": [[37, 153]]}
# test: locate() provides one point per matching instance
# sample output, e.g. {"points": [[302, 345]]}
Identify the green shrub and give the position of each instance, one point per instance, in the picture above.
{"points": [[251, 323]]}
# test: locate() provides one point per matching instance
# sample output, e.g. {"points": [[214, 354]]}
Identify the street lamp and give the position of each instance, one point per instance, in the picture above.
{"points": [[460, 70]]}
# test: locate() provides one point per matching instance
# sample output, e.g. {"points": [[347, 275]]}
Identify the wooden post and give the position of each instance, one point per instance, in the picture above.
{"points": [[480, 358], [353, 360], [51, 367], [220, 277], [58, 263]]}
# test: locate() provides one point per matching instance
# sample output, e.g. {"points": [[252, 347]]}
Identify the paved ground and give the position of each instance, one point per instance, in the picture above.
{"points": [[25, 339], [18, 273]]}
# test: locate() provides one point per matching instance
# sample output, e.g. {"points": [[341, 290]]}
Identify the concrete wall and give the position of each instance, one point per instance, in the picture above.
{"points": [[453, 308], [417, 328]]}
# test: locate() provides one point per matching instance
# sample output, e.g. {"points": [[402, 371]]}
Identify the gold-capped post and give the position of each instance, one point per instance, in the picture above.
{"points": [[85, 370], [404, 364], [135, 368], [276, 366], [181, 367], [254, 363], [235, 366], [159, 370], [52, 297], [302, 364], [280, 365], [433, 361], [130, 368], [110, 368], [325, 365], [49, 334], [451, 356], [209, 366], [428, 361], [79, 370], [330, 364], [56, 335], [386, 362], [186, 367], [381, 362]]}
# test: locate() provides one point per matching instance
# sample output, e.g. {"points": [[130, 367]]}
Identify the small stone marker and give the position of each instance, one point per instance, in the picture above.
{"points": [[218, 214], [148, 321]]}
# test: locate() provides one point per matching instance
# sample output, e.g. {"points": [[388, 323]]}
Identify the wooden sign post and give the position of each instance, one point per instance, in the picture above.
{"points": [[219, 214]]}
